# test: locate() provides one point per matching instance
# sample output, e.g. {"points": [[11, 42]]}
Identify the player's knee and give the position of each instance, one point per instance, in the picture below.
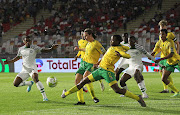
{"points": [[122, 83], [15, 84], [35, 78]]}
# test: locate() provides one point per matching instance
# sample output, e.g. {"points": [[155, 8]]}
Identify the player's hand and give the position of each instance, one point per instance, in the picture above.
{"points": [[75, 58], [54, 46], [6, 62], [118, 54], [76, 48]]}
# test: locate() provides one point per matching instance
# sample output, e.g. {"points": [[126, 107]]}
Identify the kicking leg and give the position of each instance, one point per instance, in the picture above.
{"points": [[76, 87]]}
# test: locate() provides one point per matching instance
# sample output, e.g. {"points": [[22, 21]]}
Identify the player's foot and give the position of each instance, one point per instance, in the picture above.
{"points": [[164, 91], [85, 89], [80, 103], [175, 94], [96, 100], [172, 91], [63, 93], [102, 86], [122, 96], [141, 101], [145, 96], [45, 99], [29, 87]]}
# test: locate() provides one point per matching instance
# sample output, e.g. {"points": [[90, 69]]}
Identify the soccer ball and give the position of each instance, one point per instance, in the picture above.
{"points": [[51, 81]]}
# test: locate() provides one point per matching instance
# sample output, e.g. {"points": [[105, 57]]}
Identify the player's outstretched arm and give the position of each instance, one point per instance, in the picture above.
{"points": [[54, 46], [12, 61]]}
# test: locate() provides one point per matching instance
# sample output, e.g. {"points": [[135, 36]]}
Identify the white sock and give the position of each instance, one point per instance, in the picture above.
{"points": [[23, 83], [142, 87], [41, 89], [125, 87]]}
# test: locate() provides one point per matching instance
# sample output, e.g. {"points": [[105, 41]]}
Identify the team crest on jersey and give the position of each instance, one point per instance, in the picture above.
{"points": [[31, 51]]}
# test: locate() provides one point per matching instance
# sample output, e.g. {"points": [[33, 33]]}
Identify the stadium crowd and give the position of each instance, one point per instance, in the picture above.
{"points": [[105, 17]]}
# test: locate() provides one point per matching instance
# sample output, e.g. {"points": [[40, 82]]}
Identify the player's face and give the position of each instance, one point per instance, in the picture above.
{"points": [[163, 27], [125, 38], [82, 35], [113, 41], [163, 35], [27, 42], [131, 41], [87, 36]]}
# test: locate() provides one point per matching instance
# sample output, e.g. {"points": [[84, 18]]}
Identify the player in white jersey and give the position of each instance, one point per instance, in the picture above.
{"points": [[29, 68], [123, 64], [135, 66]]}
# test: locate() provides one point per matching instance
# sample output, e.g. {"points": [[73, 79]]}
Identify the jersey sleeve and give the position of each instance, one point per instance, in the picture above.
{"points": [[19, 52], [78, 54], [37, 49], [157, 46], [171, 36], [125, 48], [124, 55], [100, 48], [141, 49]]}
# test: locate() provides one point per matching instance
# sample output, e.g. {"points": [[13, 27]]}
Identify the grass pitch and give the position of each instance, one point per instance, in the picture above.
{"points": [[17, 101]]}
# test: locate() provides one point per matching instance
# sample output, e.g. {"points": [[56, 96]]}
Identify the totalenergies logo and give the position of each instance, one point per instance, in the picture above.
{"points": [[39, 64], [4, 68]]}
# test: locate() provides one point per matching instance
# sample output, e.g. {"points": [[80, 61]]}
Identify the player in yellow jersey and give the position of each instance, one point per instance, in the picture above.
{"points": [[92, 51], [82, 45], [170, 35], [106, 71], [167, 48]]}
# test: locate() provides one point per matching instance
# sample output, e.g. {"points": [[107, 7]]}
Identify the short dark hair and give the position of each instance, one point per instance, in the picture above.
{"points": [[90, 31], [132, 37], [118, 37], [27, 37], [164, 30]]}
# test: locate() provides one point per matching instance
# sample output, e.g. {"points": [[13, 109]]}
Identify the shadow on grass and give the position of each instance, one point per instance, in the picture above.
{"points": [[143, 109]]}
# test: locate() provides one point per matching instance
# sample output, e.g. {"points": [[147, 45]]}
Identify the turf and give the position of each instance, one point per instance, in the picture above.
{"points": [[17, 101]]}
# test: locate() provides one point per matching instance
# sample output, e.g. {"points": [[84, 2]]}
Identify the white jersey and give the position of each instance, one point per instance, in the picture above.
{"points": [[122, 61], [135, 62], [29, 55], [136, 54]]}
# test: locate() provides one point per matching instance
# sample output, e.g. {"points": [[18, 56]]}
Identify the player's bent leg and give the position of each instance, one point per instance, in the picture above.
{"points": [[102, 85], [164, 85], [128, 94], [118, 72], [17, 81], [166, 81], [140, 81]]}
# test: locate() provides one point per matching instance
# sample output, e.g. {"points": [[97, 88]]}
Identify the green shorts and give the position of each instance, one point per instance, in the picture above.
{"points": [[163, 62], [84, 66], [172, 67], [101, 73]]}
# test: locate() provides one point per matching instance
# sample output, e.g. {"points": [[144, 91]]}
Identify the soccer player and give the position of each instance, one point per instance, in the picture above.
{"points": [[92, 51], [135, 66], [123, 64], [170, 35], [106, 71], [167, 48], [28, 54]]}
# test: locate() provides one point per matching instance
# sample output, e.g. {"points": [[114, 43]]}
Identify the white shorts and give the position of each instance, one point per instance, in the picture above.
{"points": [[123, 63], [132, 68], [26, 73]]}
